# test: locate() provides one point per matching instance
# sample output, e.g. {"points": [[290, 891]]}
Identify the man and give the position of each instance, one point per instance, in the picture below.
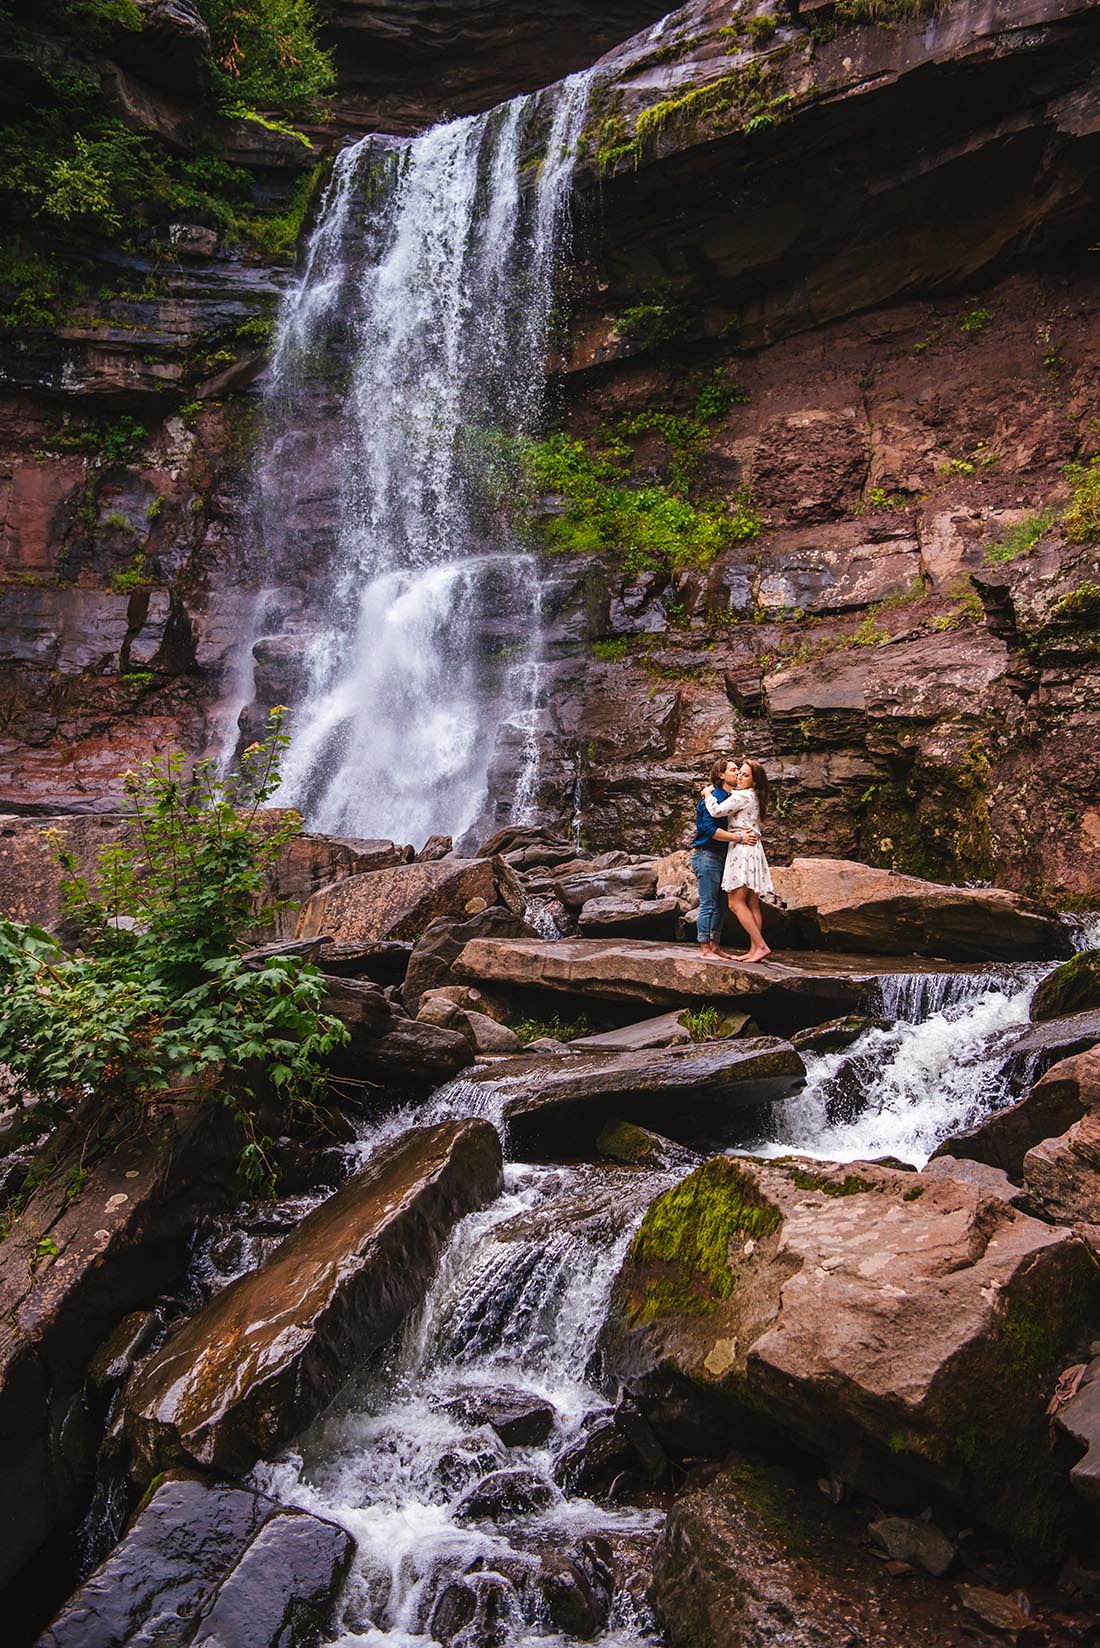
{"points": [[708, 858]]}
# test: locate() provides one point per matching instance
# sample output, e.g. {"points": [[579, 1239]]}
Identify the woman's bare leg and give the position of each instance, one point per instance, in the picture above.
{"points": [[741, 910], [758, 914]]}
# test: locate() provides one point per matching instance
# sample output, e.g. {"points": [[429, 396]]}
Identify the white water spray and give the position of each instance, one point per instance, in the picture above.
{"points": [[429, 283]]}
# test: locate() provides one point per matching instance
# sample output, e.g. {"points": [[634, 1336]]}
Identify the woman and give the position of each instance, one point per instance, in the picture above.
{"points": [[746, 875]]}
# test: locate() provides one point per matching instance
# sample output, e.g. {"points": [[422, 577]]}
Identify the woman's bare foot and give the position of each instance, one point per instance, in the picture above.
{"points": [[757, 955]]}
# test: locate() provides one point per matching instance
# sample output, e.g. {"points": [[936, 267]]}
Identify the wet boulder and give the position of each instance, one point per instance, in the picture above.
{"points": [[835, 1034], [1062, 1175], [577, 1587], [265, 1355], [206, 1565], [400, 902], [595, 1459], [506, 1493], [384, 1043], [647, 917], [1079, 1419], [73, 1270], [676, 1089], [629, 881], [1068, 1091], [756, 1556], [915, 1540], [840, 904], [868, 1316], [666, 1030], [1072, 988], [638, 1147], [442, 942], [520, 1419]]}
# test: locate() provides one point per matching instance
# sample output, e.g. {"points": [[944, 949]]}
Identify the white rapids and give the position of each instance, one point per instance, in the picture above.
{"points": [[509, 1308]]}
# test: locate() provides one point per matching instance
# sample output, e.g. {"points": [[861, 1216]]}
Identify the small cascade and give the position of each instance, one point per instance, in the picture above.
{"points": [[417, 334], [516, 1305], [915, 997], [938, 1068]]}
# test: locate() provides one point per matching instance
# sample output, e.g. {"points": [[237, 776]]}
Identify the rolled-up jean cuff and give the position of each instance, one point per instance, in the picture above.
{"points": [[707, 869]]}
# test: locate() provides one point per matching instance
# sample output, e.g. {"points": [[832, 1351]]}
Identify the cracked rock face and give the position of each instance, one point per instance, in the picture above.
{"points": [[868, 1315]]}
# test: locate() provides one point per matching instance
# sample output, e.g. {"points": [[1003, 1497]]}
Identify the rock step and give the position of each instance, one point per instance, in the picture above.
{"points": [[564, 1103], [666, 975], [266, 1355], [214, 1566]]}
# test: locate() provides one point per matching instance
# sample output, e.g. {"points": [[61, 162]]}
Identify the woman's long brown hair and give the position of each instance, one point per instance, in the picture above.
{"points": [[761, 786]]}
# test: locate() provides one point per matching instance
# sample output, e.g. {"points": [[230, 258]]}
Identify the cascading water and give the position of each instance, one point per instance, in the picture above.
{"points": [[900, 1090], [517, 1304], [429, 282]]}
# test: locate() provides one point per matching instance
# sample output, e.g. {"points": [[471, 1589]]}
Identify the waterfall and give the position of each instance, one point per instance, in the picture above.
{"points": [[416, 340]]}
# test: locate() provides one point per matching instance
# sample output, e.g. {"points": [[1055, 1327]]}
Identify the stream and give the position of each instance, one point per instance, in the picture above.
{"points": [[516, 1308]]}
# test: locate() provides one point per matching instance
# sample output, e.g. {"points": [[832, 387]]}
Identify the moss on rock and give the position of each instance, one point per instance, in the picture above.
{"points": [[1072, 988], [687, 1234]]}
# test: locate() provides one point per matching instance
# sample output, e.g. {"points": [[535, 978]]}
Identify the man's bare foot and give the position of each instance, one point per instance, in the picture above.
{"points": [[723, 955]]}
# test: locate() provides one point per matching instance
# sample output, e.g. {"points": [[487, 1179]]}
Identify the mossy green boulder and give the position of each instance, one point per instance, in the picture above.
{"points": [[1072, 988], [908, 1330]]}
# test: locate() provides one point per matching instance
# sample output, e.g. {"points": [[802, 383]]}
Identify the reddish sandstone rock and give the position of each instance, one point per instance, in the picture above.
{"points": [[844, 905], [400, 902], [909, 1333], [263, 1358]]}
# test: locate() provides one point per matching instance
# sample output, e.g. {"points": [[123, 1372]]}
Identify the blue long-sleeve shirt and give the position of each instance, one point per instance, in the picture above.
{"points": [[705, 825]]}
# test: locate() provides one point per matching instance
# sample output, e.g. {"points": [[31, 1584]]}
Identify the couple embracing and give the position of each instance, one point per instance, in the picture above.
{"points": [[727, 856]]}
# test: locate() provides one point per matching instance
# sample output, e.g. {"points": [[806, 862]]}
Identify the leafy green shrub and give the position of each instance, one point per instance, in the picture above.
{"points": [[761, 28], [1018, 539], [651, 325], [649, 525], [266, 53], [883, 11], [157, 1005], [560, 1029], [1082, 519], [975, 320]]}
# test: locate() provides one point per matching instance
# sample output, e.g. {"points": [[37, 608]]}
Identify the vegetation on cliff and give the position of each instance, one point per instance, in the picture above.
{"points": [[156, 1005], [85, 172]]}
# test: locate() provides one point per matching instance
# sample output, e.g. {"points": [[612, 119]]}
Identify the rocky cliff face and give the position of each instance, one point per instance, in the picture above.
{"points": [[873, 241]]}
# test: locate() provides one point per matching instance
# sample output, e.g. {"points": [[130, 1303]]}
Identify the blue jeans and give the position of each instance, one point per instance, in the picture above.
{"points": [[707, 870]]}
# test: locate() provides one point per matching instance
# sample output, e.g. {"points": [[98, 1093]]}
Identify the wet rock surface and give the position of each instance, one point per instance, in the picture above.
{"points": [[269, 1351], [213, 1565], [681, 1088], [867, 1317], [753, 1557], [71, 1271]]}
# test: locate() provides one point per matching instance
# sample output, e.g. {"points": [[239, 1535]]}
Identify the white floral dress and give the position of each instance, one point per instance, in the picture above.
{"points": [[745, 866]]}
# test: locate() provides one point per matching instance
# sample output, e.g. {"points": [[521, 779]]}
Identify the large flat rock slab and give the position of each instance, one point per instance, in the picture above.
{"points": [[266, 1355], [908, 1330], [840, 903], [210, 1565], [667, 975], [680, 1090]]}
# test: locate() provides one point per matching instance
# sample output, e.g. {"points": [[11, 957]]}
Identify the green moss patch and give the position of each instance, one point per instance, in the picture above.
{"points": [[687, 1234], [1072, 988], [850, 1185]]}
